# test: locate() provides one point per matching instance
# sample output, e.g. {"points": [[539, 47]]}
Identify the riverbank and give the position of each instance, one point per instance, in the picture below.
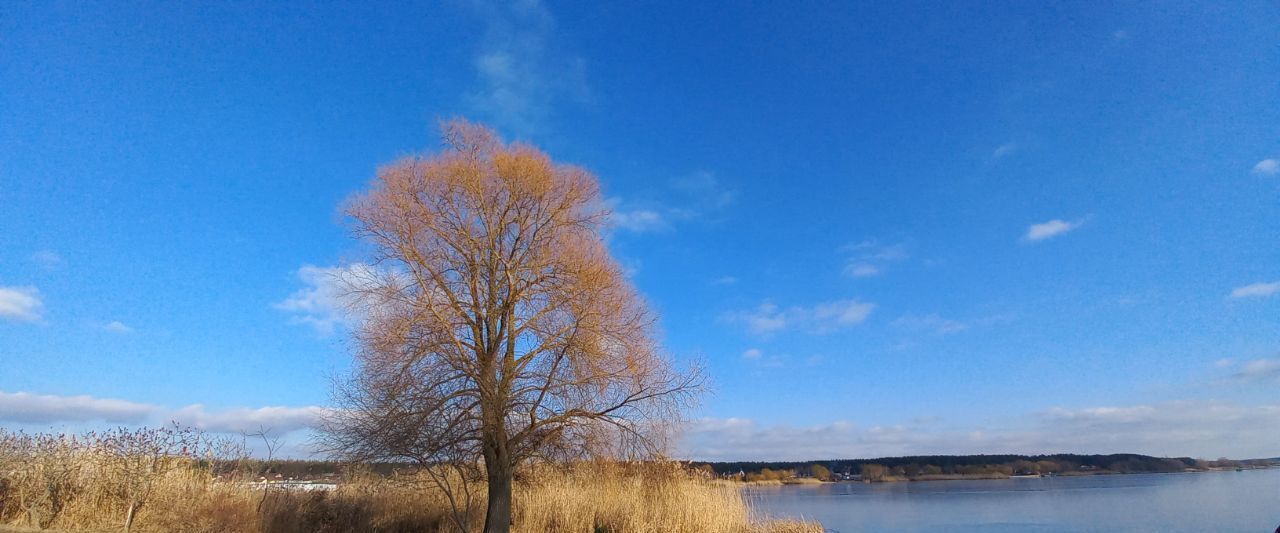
{"points": [[774, 482]]}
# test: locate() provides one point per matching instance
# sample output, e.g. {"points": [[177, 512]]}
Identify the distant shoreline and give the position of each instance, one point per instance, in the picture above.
{"points": [[963, 467], [977, 477]]}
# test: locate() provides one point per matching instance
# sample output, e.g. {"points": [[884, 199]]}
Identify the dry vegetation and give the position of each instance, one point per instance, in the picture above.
{"points": [[167, 477]]}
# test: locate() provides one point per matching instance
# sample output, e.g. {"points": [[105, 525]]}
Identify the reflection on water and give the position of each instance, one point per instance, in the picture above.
{"points": [[1210, 501]]}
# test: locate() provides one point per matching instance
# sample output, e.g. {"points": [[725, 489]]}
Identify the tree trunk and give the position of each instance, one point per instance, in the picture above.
{"points": [[497, 518]]}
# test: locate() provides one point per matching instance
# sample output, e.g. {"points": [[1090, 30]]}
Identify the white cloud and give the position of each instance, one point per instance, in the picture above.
{"points": [[521, 71], [861, 270], [1052, 228], [1186, 428], [1196, 429], [724, 280], [276, 419], [1120, 35], [873, 250], [870, 258], [327, 300], [47, 259], [695, 197], [20, 303], [932, 323], [743, 439], [752, 353], [1004, 150], [1267, 167], [116, 326], [637, 220], [1259, 370], [45, 409], [321, 304], [767, 318], [25, 407], [1256, 290], [842, 313]]}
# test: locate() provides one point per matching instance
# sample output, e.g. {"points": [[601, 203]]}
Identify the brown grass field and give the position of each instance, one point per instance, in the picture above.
{"points": [[79, 488]]}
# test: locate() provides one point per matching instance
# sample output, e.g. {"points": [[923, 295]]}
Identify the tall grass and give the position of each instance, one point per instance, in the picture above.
{"points": [[67, 483]]}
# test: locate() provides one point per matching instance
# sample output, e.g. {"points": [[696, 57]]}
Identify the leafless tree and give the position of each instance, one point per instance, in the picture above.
{"points": [[137, 459], [497, 329], [271, 445]]}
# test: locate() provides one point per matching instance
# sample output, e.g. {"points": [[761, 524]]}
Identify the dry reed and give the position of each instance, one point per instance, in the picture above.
{"points": [[68, 484]]}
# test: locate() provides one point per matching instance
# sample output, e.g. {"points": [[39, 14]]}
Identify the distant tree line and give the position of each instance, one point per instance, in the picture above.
{"points": [[925, 466]]}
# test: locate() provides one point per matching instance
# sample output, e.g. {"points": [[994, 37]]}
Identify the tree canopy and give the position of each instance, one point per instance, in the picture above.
{"points": [[497, 327]]}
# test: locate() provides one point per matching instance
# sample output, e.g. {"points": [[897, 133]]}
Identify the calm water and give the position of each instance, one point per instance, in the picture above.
{"points": [[1210, 501]]}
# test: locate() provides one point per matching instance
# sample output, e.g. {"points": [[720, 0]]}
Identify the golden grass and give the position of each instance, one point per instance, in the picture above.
{"points": [[645, 498], [586, 497]]}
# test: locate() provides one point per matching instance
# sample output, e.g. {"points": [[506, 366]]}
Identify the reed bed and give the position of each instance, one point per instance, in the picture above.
{"points": [[174, 483]]}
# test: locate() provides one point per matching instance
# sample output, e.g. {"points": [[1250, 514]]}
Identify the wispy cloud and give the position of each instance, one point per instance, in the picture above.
{"points": [[1050, 229], [724, 280], [871, 258], [20, 303], [758, 358], [47, 259], [695, 197], [841, 313], [1197, 429], [1267, 167], [115, 326], [329, 299], [1259, 370], [704, 191], [636, 220], [861, 270], [321, 303], [767, 318], [522, 71], [872, 250], [1256, 290], [931, 323], [1004, 150]]}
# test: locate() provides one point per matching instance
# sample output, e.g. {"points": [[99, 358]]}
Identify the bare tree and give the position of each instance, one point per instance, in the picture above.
{"points": [[271, 446], [497, 329], [138, 459]]}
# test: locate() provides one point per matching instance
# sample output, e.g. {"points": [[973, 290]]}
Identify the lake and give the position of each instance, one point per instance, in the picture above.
{"points": [[1208, 501]]}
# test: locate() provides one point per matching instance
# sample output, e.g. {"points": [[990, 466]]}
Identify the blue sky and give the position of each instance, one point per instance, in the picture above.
{"points": [[903, 228]]}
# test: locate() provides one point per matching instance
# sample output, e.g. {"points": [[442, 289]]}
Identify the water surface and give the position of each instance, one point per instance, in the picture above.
{"points": [[1209, 501]]}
